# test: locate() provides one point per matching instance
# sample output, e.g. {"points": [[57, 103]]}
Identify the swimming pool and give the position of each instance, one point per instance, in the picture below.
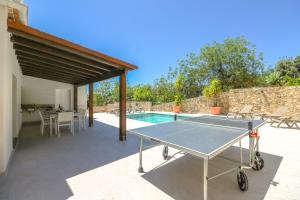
{"points": [[154, 118]]}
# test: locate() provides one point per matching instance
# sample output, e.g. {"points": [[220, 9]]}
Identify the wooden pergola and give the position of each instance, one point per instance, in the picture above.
{"points": [[46, 56]]}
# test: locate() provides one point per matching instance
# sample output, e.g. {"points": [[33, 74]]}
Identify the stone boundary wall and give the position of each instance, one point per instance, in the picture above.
{"points": [[146, 105], [266, 99], [164, 107], [263, 99]]}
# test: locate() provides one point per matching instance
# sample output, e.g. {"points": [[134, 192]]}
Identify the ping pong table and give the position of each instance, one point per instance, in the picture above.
{"points": [[206, 137]]}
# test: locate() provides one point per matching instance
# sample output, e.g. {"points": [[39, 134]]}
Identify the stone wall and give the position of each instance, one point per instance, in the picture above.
{"points": [[164, 107], [264, 100], [144, 104]]}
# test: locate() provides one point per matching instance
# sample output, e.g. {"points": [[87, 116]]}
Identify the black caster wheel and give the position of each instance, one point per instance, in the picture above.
{"points": [[258, 163], [141, 170], [242, 181], [165, 152]]}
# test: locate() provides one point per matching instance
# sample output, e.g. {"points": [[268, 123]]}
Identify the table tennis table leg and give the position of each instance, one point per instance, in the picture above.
{"points": [[141, 170], [205, 169]]}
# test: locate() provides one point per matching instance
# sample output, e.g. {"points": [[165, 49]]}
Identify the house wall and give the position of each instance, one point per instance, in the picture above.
{"points": [[40, 91], [8, 67]]}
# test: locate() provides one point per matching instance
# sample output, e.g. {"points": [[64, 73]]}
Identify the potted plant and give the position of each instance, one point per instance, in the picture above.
{"points": [[178, 98], [212, 92], [177, 103]]}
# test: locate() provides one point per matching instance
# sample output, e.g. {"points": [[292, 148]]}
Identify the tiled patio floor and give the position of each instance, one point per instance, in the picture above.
{"points": [[95, 165]]}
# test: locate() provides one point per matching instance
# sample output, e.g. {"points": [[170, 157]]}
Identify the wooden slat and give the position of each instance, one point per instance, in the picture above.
{"points": [[99, 78], [56, 59], [60, 53], [51, 72], [47, 77], [56, 76], [122, 103], [91, 105], [55, 69], [39, 57], [23, 30], [41, 61]]}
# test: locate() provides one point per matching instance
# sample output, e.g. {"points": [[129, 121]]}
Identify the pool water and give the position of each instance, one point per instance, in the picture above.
{"points": [[154, 118]]}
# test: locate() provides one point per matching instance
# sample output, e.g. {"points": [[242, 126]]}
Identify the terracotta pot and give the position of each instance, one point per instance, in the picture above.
{"points": [[216, 110], [176, 109]]}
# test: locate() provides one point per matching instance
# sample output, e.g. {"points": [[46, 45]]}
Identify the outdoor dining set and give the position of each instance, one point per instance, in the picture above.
{"points": [[55, 119]]}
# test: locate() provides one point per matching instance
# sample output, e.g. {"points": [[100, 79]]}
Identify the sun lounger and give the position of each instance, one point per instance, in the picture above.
{"points": [[245, 112], [276, 115], [295, 121], [281, 120], [139, 108]]}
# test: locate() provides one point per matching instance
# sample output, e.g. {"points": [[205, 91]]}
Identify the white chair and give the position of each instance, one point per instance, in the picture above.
{"points": [[45, 121], [65, 119], [82, 117]]}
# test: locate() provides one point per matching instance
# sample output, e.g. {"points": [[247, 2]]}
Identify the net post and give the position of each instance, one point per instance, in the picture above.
{"points": [[175, 117], [250, 126]]}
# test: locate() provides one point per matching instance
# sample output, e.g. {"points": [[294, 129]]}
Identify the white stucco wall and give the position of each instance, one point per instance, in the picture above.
{"points": [[41, 91], [8, 67]]}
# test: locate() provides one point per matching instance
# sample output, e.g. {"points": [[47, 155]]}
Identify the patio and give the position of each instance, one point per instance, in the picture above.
{"points": [[93, 164]]}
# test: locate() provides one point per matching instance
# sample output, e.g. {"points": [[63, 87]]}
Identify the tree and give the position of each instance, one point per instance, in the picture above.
{"points": [[103, 94], [235, 63], [273, 78], [287, 67], [163, 90], [297, 65], [142, 93]]}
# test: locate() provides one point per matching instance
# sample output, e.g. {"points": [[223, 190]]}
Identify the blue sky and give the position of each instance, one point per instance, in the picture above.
{"points": [[154, 34]]}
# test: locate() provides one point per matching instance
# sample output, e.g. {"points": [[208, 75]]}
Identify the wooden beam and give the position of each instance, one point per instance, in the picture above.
{"points": [[75, 98], [52, 72], [122, 103], [34, 34], [21, 42], [41, 61], [47, 77], [91, 105], [108, 76], [35, 54], [57, 77], [53, 69]]}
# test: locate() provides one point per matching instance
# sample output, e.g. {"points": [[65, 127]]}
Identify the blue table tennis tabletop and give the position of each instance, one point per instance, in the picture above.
{"points": [[204, 136]]}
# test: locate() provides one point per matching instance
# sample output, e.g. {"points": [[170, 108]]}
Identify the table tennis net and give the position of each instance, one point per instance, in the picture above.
{"points": [[221, 121]]}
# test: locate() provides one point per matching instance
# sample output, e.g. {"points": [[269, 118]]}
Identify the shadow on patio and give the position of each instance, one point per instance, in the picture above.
{"points": [[182, 178], [93, 164], [41, 165]]}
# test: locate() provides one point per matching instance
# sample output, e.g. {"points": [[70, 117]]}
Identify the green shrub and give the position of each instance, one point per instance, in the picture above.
{"points": [[288, 81], [179, 85], [213, 90], [178, 99]]}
